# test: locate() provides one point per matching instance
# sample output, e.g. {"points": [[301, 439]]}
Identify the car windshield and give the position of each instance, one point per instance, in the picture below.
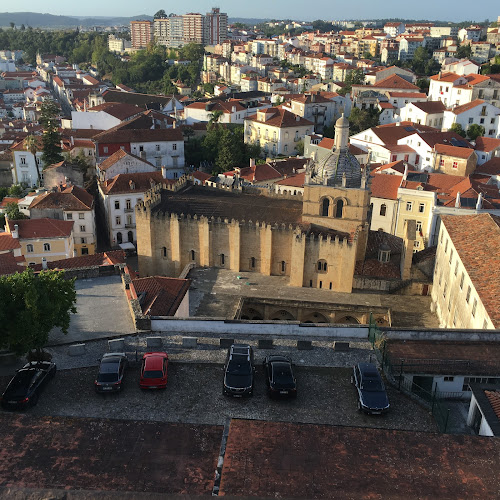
{"points": [[282, 374], [21, 381], [239, 366], [153, 374], [107, 377], [372, 385]]}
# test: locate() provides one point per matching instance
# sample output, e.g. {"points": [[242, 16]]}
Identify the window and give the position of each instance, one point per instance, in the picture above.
{"points": [[421, 208], [416, 244], [164, 251], [471, 120], [322, 266], [118, 220], [46, 247], [128, 204], [445, 288], [117, 204], [105, 149], [462, 280], [283, 266], [325, 207], [157, 147], [85, 251], [474, 307], [446, 247], [192, 255], [449, 379], [383, 209], [409, 206], [441, 162], [174, 147], [82, 229], [252, 262], [141, 148], [222, 259], [451, 255], [69, 216], [455, 164], [339, 209], [485, 325], [23, 160], [158, 162], [492, 121], [481, 121], [419, 225], [467, 297], [81, 216], [129, 220], [83, 241], [456, 267], [394, 158], [29, 248]]}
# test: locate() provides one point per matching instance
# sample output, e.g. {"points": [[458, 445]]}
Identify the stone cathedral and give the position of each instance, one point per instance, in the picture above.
{"points": [[315, 241]]}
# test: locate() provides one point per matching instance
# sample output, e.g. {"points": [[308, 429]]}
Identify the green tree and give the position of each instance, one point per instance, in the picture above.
{"points": [[161, 14], [361, 119], [464, 51], [51, 138], [3, 192], [329, 131], [16, 190], [355, 77], [299, 147], [458, 129], [192, 52], [475, 131], [32, 305], [13, 213]]}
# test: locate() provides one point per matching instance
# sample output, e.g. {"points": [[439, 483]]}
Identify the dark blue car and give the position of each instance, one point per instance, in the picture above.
{"points": [[372, 396]]}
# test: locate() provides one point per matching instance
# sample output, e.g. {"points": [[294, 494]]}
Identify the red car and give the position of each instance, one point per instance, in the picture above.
{"points": [[154, 370]]}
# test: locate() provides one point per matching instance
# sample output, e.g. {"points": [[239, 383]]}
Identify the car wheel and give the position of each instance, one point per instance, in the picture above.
{"points": [[34, 399]]}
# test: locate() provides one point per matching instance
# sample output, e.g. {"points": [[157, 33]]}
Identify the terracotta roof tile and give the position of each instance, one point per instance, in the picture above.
{"points": [[133, 183], [118, 155], [162, 296], [430, 107], [279, 117], [468, 106], [9, 264], [479, 255], [7, 242], [118, 109], [385, 186], [454, 151], [70, 198], [491, 167], [98, 259], [494, 399], [486, 144], [396, 82], [296, 180], [42, 228]]}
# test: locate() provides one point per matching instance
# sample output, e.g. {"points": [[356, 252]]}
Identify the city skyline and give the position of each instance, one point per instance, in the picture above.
{"points": [[277, 10]]}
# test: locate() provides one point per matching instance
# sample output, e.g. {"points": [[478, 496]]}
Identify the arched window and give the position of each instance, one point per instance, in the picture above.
{"points": [[383, 209], [192, 254], [46, 247], [283, 266], [130, 236], [119, 238], [164, 251], [322, 266], [252, 262], [29, 248], [339, 209], [325, 207]]}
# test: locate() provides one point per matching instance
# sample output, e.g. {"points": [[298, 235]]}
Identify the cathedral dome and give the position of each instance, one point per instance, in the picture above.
{"points": [[331, 169]]}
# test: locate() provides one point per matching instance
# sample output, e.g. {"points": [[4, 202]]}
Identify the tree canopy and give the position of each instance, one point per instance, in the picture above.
{"points": [[32, 304], [51, 137], [474, 131]]}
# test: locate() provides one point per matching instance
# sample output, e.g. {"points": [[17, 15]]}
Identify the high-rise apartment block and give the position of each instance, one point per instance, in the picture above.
{"points": [[141, 33], [175, 31]]}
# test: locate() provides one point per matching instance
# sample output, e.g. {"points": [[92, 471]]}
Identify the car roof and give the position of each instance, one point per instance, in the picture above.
{"points": [[276, 358], [154, 360]]}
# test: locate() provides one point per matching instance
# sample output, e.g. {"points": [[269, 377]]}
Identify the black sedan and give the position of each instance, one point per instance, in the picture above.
{"points": [[279, 376], [111, 372], [239, 371], [372, 397], [25, 387]]}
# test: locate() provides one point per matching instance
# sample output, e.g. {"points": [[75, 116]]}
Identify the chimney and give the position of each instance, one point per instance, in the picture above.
{"points": [[44, 263], [252, 162], [15, 233], [72, 141], [297, 118], [164, 171], [405, 175], [479, 204], [457, 201]]}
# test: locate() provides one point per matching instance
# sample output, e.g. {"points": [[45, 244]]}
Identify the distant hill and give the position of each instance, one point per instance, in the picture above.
{"points": [[246, 20], [36, 20]]}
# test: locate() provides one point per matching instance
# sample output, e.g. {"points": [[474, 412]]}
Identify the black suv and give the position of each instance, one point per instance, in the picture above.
{"points": [[372, 397], [239, 371], [279, 376], [27, 384], [111, 371]]}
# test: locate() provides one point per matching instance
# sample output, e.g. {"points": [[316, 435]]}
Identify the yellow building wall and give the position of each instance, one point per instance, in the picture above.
{"points": [[58, 249]]}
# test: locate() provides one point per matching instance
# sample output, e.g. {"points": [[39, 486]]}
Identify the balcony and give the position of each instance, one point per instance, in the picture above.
{"points": [[129, 226], [128, 210]]}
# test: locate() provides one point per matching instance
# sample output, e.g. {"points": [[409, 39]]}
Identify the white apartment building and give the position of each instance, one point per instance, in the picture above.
{"points": [[477, 112]]}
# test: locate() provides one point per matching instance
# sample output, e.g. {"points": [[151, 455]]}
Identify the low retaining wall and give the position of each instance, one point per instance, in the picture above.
{"points": [[444, 334], [290, 329]]}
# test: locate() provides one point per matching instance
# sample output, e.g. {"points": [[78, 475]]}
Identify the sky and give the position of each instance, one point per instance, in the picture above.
{"points": [[458, 10]]}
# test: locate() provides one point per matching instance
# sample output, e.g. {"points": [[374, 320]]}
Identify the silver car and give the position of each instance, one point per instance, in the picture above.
{"points": [[111, 371]]}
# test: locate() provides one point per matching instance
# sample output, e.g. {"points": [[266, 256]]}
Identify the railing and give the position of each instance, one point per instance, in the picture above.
{"points": [[129, 226]]}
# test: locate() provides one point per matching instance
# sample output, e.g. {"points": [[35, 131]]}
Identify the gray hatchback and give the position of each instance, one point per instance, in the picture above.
{"points": [[111, 371]]}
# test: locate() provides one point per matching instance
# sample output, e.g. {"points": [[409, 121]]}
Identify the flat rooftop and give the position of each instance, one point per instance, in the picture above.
{"points": [[289, 460], [195, 200], [216, 293]]}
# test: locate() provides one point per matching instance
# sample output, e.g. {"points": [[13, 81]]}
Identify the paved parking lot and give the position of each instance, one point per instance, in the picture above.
{"points": [[194, 395]]}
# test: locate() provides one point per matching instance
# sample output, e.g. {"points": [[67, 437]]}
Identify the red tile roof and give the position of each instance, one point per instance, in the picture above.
{"points": [[454, 151], [292, 460], [385, 186], [9, 264], [494, 399], [42, 228], [491, 167], [476, 239], [162, 296], [256, 173], [7, 200], [7, 242], [118, 155], [279, 117], [296, 180], [70, 198], [445, 77], [96, 260], [406, 95], [486, 144], [133, 183], [396, 82], [119, 110], [201, 176], [430, 107], [468, 106]]}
